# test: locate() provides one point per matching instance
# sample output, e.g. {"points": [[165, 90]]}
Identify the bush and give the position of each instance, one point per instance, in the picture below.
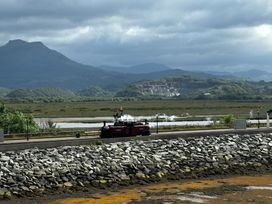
{"points": [[228, 119], [98, 142]]}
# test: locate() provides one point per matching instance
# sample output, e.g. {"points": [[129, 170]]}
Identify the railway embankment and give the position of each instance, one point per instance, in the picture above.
{"points": [[38, 171]]}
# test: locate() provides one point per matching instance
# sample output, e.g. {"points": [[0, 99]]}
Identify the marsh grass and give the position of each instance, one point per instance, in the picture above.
{"points": [[143, 107]]}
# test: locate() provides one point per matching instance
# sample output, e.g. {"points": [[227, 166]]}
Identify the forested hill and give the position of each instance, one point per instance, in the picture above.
{"points": [[173, 87], [198, 88]]}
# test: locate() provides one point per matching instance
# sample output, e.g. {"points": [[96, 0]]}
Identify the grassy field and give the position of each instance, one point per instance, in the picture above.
{"points": [[144, 107]]}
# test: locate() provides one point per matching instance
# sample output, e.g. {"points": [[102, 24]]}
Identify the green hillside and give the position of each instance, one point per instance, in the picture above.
{"points": [[198, 88], [41, 93], [93, 91], [183, 87]]}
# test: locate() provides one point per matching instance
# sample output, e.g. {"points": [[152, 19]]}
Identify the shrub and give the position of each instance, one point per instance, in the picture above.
{"points": [[228, 119]]}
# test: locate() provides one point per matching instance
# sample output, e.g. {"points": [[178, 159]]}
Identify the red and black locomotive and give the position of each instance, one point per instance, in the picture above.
{"points": [[126, 128]]}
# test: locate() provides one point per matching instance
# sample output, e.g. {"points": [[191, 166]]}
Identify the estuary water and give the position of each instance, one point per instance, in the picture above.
{"points": [[151, 124], [77, 123]]}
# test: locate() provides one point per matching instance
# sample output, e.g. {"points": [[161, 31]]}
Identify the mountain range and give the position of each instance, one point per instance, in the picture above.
{"points": [[137, 69], [32, 65], [251, 75]]}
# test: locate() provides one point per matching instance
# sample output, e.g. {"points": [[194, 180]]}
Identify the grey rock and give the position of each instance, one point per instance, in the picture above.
{"points": [[140, 175], [2, 192], [67, 184], [7, 195], [24, 188], [5, 158], [35, 169]]}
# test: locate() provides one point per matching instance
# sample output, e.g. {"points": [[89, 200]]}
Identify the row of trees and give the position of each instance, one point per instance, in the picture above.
{"points": [[15, 121]]}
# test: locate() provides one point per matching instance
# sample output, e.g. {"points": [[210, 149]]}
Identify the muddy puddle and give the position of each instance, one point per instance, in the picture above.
{"points": [[238, 189]]}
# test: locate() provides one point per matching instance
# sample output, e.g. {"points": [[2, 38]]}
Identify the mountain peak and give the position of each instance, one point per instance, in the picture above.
{"points": [[19, 43]]}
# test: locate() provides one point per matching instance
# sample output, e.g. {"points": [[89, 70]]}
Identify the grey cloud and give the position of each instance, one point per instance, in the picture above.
{"points": [[181, 33]]}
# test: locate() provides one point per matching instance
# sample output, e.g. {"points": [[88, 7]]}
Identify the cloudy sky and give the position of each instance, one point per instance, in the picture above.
{"points": [[189, 34]]}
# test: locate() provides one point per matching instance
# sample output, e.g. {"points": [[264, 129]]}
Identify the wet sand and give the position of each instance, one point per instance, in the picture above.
{"points": [[238, 189], [235, 189]]}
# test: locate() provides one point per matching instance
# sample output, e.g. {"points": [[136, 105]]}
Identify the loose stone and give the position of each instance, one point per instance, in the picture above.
{"points": [[37, 170]]}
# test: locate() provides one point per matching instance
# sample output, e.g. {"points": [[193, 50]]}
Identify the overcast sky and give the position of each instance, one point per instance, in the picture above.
{"points": [[189, 34]]}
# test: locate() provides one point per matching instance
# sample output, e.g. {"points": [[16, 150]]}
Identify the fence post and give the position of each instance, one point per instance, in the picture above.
{"points": [[1, 135], [157, 128], [267, 120]]}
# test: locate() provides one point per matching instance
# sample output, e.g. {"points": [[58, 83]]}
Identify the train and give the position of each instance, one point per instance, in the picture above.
{"points": [[124, 128]]}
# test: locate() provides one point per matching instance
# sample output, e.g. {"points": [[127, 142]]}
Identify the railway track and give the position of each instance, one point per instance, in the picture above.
{"points": [[13, 145]]}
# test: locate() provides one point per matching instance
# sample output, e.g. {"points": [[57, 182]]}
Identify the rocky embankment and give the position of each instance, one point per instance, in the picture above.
{"points": [[39, 170]]}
